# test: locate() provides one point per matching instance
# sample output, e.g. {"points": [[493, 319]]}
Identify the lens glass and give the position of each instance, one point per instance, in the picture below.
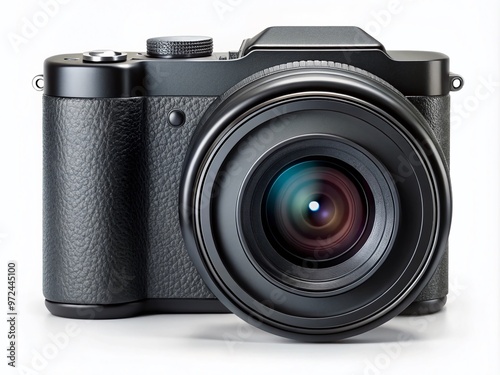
{"points": [[315, 209]]}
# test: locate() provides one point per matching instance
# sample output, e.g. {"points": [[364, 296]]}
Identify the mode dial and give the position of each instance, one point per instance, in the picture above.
{"points": [[180, 46]]}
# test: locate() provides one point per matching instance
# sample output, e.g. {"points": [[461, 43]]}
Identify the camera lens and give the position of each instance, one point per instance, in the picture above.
{"points": [[315, 201], [315, 210]]}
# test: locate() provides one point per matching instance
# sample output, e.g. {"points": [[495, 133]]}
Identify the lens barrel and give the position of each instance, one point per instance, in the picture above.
{"points": [[295, 209]]}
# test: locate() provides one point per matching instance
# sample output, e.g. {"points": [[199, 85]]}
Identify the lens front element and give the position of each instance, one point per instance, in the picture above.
{"points": [[315, 210]]}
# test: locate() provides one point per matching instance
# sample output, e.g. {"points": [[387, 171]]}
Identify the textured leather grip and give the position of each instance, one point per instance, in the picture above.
{"points": [[436, 110], [111, 178]]}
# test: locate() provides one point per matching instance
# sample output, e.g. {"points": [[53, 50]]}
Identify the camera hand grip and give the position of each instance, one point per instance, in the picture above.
{"points": [[94, 200], [436, 110]]}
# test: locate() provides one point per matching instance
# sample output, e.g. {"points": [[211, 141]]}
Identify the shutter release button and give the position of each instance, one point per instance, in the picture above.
{"points": [[104, 56]]}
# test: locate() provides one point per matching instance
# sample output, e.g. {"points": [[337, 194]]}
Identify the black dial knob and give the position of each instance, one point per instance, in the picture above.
{"points": [[180, 46]]}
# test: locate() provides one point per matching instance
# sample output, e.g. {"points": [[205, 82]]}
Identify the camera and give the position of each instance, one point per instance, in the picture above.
{"points": [[301, 182]]}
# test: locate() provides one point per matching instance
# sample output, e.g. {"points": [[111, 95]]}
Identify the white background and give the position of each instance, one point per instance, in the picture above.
{"points": [[463, 339]]}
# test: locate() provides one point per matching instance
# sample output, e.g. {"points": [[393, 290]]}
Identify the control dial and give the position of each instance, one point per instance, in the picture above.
{"points": [[180, 46]]}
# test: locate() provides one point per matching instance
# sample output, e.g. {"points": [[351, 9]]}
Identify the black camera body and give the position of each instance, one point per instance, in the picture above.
{"points": [[301, 182]]}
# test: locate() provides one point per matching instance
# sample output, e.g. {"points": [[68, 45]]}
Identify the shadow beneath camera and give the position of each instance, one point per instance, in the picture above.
{"points": [[381, 335], [238, 333]]}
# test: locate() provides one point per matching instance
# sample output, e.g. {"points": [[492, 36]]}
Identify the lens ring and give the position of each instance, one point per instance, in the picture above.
{"points": [[325, 273]]}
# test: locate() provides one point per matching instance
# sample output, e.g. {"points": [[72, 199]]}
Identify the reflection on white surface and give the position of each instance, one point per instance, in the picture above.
{"points": [[222, 343]]}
